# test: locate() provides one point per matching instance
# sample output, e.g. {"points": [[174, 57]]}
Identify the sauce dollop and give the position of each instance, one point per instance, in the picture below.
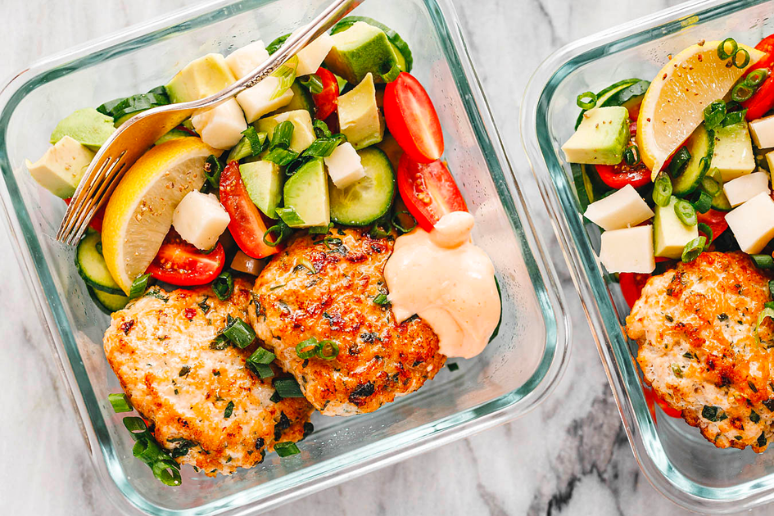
{"points": [[445, 279]]}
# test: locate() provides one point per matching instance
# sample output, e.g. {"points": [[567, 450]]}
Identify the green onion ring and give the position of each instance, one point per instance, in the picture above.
{"points": [[756, 77], [632, 156], [768, 311], [334, 346], [742, 92], [694, 248], [586, 104], [685, 212], [662, 189], [313, 352], [746, 58], [722, 54], [704, 228]]}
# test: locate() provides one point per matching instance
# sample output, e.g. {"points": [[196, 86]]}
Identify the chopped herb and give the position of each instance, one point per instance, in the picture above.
{"points": [[220, 343], [713, 413], [754, 417], [184, 370], [752, 386], [223, 286], [453, 366], [688, 355], [181, 449], [216, 373], [669, 318], [762, 439], [677, 370], [286, 449], [204, 306], [288, 388], [275, 398], [239, 332], [723, 317], [120, 402], [769, 404], [229, 410], [381, 299], [275, 287], [139, 286]]}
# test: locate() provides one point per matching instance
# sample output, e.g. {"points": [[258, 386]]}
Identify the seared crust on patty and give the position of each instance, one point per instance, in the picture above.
{"points": [[324, 286], [159, 347], [694, 327]]}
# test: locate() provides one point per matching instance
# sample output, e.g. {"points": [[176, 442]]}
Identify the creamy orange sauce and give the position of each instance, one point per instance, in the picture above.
{"points": [[445, 279]]}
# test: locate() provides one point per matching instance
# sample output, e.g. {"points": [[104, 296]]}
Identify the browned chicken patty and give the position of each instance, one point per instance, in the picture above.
{"points": [[694, 327], [197, 397], [325, 287]]}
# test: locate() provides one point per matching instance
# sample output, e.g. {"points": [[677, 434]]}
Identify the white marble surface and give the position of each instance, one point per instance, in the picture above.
{"points": [[569, 457]]}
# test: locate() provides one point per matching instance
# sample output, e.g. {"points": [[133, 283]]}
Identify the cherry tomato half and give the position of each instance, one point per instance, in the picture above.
{"points": [[246, 226], [763, 99], [182, 264], [652, 400], [327, 100], [412, 120], [96, 221], [632, 284], [429, 190], [716, 220], [618, 176]]}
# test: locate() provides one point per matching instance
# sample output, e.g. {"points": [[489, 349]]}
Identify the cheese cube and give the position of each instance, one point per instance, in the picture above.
{"points": [[257, 101], [625, 208], [733, 155], [200, 219], [628, 250], [344, 166], [312, 56], [753, 223], [669, 233], [762, 131], [61, 168], [744, 188], [244, 60], [220, 127]]}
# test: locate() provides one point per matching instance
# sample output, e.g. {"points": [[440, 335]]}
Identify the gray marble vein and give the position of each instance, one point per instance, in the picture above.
{"points": [[568, 457]]}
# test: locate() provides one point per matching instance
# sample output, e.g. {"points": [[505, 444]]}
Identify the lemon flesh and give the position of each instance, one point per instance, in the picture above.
{"points": [[139, 213], [674, 104]]}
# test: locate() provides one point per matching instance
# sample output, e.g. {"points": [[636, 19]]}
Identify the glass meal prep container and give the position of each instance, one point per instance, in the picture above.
{"points": [[674, 457], [516, 371]]}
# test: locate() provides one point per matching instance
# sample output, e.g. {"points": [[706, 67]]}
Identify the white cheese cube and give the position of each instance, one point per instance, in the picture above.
{"points": [[200, 219], [762, 131], [669, 233], [220, 127], [744, 188], [257, 100], [62, 166], [753, 223], [244, 60], [628, 250], [311, 56], [733, 154], [344, 166], [625, 208]]}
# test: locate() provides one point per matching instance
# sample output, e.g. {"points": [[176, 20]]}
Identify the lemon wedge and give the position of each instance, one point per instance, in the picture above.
{"points": [[139, 213], [674, 104]]}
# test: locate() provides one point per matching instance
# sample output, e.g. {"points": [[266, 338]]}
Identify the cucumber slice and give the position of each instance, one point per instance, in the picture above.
{"points": [[588, 185], [720, 201], [365, 201], [174, 134], [91, 265], [701, 145], [608, 92], [628, 96], [108, 303]]}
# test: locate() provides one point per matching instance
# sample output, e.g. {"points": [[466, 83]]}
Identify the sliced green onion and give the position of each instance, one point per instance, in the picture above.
{"points": [[714, 114], [148, 451], [722, 53], [321, 129], [713, 413], [763, 261], [742, 92], [320, 230], [166, 472], [381, 299], [136, 426], [745, 61], [756, 77], [662, 190], [734, 118], [397, 224], [767, 312], [120, 402], [139, 286], [286, 449], [703, 203], [324, 147], [586, 100], [693, 249], [263, 370], [391, 74], [329, 349], [632, 155], [290, 216], [256, 140], [286, 75], [308, 348], [281, 231], [281, 157], [212, 169], [262, 356], [277, 44], [239, 332], [710, 186], [685, 212], [704, 228], [771, 291], [288, 388], [313, 84], [223, 286], [229, 410], [679, 160], [283, 134]]}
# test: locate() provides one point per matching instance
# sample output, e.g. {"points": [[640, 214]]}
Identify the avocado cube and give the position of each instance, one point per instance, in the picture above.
{"points": [[307, 193], [363, 49], [263, 180], [200, 78], [359, 117], [733, 155], [303, 130], [86, 126], [601, 137], [669, 233], [62, 166]]}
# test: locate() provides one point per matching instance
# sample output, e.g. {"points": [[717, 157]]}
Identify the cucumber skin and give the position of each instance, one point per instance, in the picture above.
{"points": [[102, 304], [683, 188], [343, 215], [603, 95], [108, 289]]}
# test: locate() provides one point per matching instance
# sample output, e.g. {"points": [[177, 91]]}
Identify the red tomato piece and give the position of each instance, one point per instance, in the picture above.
{"points": [[327, 100], [763, 99], [631, 286], [96, 221], [669, 411], [412, 120], [716, 220], [618, 176], [246, 226], [182, 264], [429, 190]]}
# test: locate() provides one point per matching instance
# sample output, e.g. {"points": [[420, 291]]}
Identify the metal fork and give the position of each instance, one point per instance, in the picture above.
{"points": [[137, 135]]}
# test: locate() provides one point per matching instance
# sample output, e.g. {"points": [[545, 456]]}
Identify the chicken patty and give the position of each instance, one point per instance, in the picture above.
{"points": [[205, 406], [695, 329], [331, 287]]}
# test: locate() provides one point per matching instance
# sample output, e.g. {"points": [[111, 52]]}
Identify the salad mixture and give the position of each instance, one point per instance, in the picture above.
{"points": [[309, 180], [676, 173]]}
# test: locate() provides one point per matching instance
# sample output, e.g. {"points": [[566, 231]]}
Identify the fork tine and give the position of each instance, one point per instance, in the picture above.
{"points": [[82, 192]]}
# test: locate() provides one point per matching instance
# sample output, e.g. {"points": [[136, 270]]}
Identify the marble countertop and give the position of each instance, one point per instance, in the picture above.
{"points": [[568, 457]]}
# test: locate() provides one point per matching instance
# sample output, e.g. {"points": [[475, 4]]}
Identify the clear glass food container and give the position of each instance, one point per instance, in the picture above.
{"points": [[674, 457], [516, 371]]}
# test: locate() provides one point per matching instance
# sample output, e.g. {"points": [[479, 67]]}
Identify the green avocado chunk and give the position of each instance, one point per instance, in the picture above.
{"points": [[359, 116], [263, 180], [307, 193], [601, 137], [87, 126], [364, 49], [200, 78]]}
